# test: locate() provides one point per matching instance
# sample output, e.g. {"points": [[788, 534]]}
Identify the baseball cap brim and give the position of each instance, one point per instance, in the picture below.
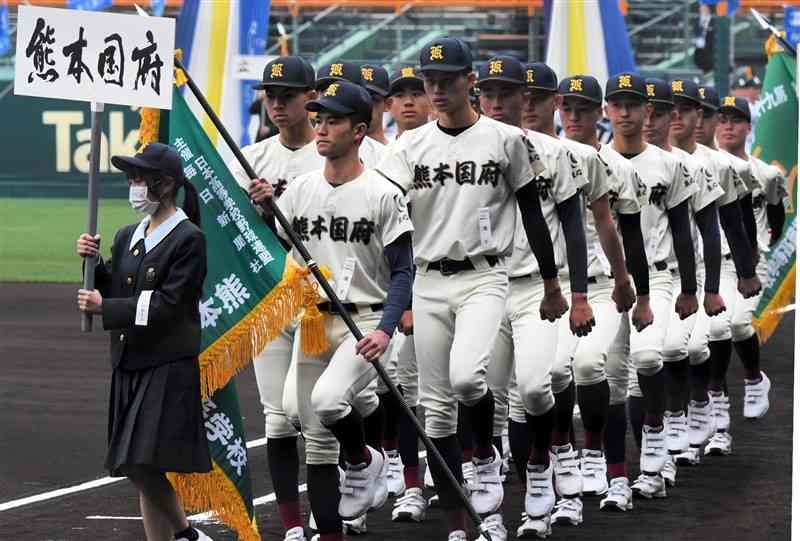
{"points": [[684, 97], [501, 79], [448, 68], [322, 83], [734, 110], [404, 82], [128, 163], [542, 88], [661, 102], [377, 89], [621, 91], [327, 104], [580, 96], [263, 86]]}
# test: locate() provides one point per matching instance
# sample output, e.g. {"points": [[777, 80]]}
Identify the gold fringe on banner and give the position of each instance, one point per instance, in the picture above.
{"points": [[199, 492], [313, 338], [768, 322]]}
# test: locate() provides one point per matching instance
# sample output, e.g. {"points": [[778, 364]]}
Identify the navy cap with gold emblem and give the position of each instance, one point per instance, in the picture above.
{"points": [[540, 76], [626, 83], [337, 71], [686, 90], [445, 54], [343, 98], [658, 92], [289, 71], [581, 86], [406, 77], [505, 69], [375, 79], [709, 98], [735, 105]]}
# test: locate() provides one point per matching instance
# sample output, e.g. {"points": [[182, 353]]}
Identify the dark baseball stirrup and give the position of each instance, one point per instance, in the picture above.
{"points": [[335, 301]]}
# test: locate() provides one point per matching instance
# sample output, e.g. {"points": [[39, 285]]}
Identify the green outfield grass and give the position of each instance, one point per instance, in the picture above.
{"points": [[37, 236]]}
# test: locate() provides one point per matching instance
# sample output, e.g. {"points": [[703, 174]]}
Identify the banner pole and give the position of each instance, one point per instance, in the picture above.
{"points": [[92, 197]]}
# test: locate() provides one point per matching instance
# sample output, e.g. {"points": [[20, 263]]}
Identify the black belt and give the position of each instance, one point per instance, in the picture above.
{"points": [[660, 265], [454, 266], [349, 306]]}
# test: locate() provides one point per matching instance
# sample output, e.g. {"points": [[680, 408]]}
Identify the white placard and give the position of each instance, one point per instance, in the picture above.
{"points": [[250, 67], [95, 57]]}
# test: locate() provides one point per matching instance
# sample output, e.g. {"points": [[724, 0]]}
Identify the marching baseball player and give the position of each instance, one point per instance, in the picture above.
{"points": [[408, 104], [356, 224], [289, 84], [526, 344], [463, 173], [613, 186], [670, 256], [376, 80]]}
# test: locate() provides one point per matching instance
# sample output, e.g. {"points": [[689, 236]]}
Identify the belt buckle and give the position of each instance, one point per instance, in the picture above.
{"points": [[445, 269]]}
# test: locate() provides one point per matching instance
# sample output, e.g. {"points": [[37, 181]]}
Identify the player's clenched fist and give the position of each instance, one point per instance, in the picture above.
{"points": [[406, 323], [89, 301], [581, 317], [749, 287], [623, 295], [686, 305], [713, 304], [373, 345], [88, 246], [260, 190], [642, 315], [553, 305]]}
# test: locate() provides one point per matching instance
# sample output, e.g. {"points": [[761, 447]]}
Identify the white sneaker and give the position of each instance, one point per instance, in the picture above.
{"points": [[531, 528], [493, 525], [690, 457], [650, 486], [654, 450], [568, 511], [619, 496], [294, 534], [395, 481], [362, 484], [756, 398], [428, 479], [670, 472], [677, 430], [720, 444], [458, 535], [357, 526], [382, 489], [539, 495], [468, 472], [593, 471], [410, 507], [720, 406], [567, 467], [486, 489], [701, 423]]}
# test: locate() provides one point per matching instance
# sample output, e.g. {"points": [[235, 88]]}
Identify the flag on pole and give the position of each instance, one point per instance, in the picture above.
{"points": [[587, 37], [776, 144]]}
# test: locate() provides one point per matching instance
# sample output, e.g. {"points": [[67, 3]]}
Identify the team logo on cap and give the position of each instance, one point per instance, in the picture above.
{"points": [[331, 90], [702, 93], [576, 85], [651, 90], [624, 81], [276, 71], [677, 86], [495, 67], [437, 52], [367, 74], [730, 101], [407, 72], [529, 76], [337, 70]]}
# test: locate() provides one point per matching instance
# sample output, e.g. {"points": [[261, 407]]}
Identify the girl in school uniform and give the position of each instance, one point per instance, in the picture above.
{"points": [[148, 295]]}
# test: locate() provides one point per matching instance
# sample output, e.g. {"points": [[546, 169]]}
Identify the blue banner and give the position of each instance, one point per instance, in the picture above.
{"points": [[253, 25], [5, 30]]}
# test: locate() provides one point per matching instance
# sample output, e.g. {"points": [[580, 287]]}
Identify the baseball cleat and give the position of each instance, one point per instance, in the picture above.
{"points": [[677, 430], [619, 496], [720, 406], [720, 444], [363, 486], [458, 535], [670, 472], [493, 525], [756, 398], [540, 496], [410, 507], [395, 481], [295, 534], [534, 527], [701, 423], [357, 526], [567, 468], [593, 470], [650, 486], [690, 457], [486, 488], [568, 512], [654, 449]]}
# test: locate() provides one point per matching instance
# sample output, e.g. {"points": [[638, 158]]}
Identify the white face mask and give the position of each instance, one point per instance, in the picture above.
{"points": [[137, 196]]}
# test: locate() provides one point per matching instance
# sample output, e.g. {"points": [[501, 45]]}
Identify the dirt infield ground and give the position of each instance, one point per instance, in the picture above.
{"points": [[53, 395]]}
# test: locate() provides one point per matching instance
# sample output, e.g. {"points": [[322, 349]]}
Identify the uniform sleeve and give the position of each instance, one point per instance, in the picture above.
{"points": [[682, 187], [285, 204], [628, 193], [394, 218], [567, 177], [396, 167], [708, 189], [730, 183], [524, 161], [775, 190], [597, 173]]}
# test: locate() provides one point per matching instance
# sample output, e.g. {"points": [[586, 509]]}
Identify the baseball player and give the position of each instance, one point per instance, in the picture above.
{"points": [[356, 223], [678, 346], [407, 102], [689, 110], [670, 255], [526, 344], [613, 185], [288, 83], [463, 173], [376, 80]]}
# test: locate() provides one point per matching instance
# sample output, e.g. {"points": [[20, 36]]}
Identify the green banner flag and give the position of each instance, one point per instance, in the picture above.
{"points": [[248, 298], [776, 144]]}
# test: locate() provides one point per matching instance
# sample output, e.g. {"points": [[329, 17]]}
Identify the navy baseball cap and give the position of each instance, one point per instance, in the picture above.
{"points": [[658, 92], [343, 98], [337, 71], [289, 71], [445, 54], [626, 83], [709, 98], [686, 90], [506, 69], [406, 77], [733, 104], [540, 76], [581, 86], [155, 157], [375, 79]]}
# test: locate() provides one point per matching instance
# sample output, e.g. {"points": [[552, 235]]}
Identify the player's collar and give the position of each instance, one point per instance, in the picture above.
{"points": [[160, 232]]}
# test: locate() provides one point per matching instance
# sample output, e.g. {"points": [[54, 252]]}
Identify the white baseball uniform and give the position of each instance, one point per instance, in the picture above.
{"points": [[461, 191], [346, 227]]}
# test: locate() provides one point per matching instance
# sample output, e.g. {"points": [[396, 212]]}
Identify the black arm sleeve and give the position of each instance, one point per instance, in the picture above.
{"points": [[536, 230], [730, 217], [684, 247], [749, 219], [776, 215], [569, 213], [398, 254], [630, 227], [708, 224]]}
